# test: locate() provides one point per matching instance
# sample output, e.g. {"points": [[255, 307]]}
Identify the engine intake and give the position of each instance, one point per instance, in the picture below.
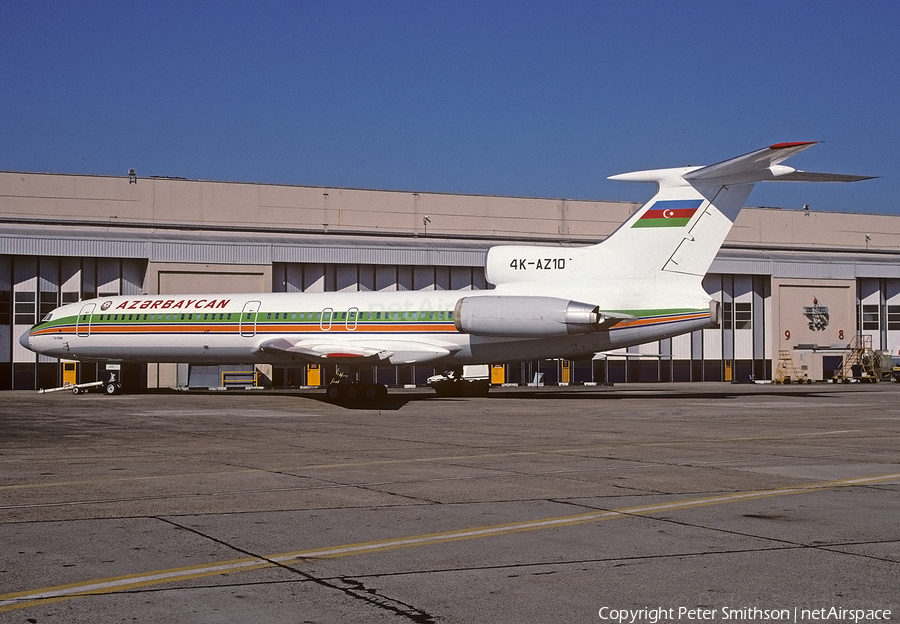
{"points": [[500, 315]]}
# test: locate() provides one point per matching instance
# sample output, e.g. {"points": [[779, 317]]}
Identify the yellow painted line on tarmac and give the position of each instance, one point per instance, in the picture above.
{"points": [[30, 598]]}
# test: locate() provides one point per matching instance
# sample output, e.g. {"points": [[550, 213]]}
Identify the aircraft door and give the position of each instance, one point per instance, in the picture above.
{"points": [[352, 319], [83, 325], [248, 319], [325, 323]]}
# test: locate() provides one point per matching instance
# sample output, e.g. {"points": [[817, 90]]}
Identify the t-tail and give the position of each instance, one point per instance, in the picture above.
{"points": [[668, 245], [681, 229]]}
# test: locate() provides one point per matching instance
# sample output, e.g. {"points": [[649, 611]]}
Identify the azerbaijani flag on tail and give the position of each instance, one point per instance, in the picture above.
{"points": [[669, 213]]}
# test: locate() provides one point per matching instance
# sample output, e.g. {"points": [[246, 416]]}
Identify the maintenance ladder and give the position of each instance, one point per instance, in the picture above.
{"points": [[786, 371], [858, 352]]}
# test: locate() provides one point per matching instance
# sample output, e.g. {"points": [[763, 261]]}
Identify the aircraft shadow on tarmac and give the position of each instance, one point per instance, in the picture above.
{"points": [[399, 401], [391, 403]]}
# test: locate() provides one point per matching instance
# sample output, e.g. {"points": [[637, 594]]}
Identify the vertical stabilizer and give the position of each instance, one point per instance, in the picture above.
{"points": [[680, 230], [661, 253]]}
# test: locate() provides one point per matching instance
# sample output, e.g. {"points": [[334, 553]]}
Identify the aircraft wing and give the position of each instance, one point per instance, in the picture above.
{"points": [[361, 351]]}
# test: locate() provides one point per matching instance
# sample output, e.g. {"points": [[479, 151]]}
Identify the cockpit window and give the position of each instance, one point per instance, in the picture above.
{"points": [[47, 318]]}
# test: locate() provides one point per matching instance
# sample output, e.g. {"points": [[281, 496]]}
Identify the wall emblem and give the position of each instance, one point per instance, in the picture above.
{"points": [[817, 315]]}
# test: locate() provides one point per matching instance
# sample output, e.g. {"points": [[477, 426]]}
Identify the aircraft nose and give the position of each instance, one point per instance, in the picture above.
{"points": [[25, 339]]}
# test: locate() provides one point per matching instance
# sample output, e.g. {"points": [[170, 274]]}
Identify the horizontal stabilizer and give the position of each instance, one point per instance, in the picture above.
{"points": [[764, 165], [756, 165], [809, 176]]}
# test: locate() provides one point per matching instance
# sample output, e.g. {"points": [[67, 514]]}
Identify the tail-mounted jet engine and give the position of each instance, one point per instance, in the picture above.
{"points": [[529, 316]]}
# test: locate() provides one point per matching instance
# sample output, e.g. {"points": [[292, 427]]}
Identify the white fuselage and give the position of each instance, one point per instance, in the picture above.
{"points": [[412, 326]]}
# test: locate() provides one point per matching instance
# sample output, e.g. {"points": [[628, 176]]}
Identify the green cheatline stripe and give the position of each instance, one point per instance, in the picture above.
{"points": [[672, 222]]}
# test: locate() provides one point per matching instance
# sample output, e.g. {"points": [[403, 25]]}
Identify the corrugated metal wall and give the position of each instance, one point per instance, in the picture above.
{"points": [[32, 286]]}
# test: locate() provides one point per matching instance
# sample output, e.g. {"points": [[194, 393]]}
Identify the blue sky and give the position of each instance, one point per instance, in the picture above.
{"points": [[523, 98]]}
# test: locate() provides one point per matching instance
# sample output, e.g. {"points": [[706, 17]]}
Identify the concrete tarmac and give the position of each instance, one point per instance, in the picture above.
{"points": [[636, 503]]}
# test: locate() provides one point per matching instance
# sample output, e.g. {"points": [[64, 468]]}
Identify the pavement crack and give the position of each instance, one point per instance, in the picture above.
{"points": [[350, 587], [358, 589]]}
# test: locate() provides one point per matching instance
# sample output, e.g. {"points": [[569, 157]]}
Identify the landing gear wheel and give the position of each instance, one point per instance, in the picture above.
{"points": [[355, 392], [373, 393], [477, 388]]}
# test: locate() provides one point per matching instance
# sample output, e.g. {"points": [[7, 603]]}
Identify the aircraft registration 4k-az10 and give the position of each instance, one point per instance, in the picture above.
{"points": [[641, 284]]}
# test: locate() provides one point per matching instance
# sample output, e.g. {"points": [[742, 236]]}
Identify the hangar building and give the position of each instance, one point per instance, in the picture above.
{"points": [[802, 282]]}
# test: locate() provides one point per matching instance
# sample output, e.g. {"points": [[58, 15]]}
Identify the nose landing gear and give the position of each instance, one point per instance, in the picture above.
{"points": [[113, 386]]}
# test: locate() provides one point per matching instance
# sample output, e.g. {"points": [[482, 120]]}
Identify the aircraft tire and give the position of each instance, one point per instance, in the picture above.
{"points": [[452, 388], [370, 392], [477, 388], [375, 393], [444, 388]]}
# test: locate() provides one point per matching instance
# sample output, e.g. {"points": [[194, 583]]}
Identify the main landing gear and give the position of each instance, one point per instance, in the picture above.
{"points": [[343, 389], [452, 384]]}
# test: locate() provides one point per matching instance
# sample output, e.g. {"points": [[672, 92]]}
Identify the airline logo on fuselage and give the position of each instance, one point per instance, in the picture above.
{"points": [[172, 304]]}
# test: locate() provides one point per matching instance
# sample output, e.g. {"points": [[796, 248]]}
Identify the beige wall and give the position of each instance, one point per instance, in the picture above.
{"points": [[186, 278], [772, 227], [187, 202], [791, 296], [168, 201], [790, 325]]}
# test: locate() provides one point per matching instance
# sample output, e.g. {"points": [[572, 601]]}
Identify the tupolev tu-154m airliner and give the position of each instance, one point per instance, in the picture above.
{"points": [[641, 284]]}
